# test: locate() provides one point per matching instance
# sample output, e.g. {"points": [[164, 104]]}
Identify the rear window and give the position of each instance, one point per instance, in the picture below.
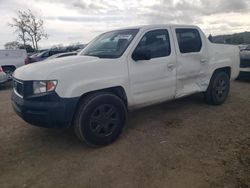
{"points": [[189, 40]]}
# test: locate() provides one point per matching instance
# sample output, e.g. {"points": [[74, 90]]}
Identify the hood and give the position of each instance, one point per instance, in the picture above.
{"points": [[44, 69]]}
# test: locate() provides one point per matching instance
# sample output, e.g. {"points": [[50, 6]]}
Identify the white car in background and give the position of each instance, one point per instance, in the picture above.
{"points": [[3, 76], [10, 60]]}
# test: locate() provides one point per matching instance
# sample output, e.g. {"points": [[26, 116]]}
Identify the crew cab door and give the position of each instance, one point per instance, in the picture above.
{"points": [[153, 77], [192, 60]]}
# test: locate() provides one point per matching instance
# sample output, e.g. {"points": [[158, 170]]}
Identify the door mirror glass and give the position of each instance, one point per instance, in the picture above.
{"points": [[141, 54]]}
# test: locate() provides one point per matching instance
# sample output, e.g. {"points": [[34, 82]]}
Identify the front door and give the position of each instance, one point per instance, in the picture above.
{"points": [[153, 80]]}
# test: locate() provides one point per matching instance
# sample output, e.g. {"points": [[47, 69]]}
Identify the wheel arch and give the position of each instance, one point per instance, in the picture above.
{"points": [[226, 69], [118, 91], [209, 94]]}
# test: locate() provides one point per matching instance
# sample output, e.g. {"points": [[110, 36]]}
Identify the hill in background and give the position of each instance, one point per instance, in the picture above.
{"points": [[237, 38]]}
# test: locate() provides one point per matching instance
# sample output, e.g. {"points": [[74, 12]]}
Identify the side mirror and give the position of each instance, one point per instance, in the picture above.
{"points": [[141, 55]]}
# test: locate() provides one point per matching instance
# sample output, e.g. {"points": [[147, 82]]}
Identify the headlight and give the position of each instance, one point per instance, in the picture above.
{"points": [[44, 86]]}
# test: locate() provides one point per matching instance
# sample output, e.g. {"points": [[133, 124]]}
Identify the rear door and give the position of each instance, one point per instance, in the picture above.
{"points": [[192, 60], [153, 80]]}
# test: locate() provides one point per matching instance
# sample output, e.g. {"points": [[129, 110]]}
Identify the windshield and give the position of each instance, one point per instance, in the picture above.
{"points": [[111, 44]]}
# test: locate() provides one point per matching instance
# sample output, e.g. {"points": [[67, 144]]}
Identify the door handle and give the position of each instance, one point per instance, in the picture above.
{"points": [[203, 61], [170, 66]]}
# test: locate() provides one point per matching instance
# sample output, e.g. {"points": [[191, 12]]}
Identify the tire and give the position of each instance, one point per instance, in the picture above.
{"points": [[218, 88], [100, 119]]}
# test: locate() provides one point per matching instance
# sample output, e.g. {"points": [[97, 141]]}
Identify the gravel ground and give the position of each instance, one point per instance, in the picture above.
{"points": [[180, 144]]}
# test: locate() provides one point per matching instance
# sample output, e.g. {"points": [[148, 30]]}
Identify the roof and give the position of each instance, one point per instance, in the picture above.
{"points": [[152, 26]]}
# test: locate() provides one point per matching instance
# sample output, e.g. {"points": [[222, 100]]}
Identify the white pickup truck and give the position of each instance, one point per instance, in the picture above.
{"points": [[122, 70]]}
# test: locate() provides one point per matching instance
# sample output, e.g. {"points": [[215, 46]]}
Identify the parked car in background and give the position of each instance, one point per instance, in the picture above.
{"points": [[79, 50], [44, 55], [245, 62], [242, 46], [12, 59], [62, 55], [245, 54], [3, 76], [123, 70]]}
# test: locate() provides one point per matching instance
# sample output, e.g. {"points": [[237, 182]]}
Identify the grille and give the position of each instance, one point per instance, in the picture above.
{"points": [[18, 87]]}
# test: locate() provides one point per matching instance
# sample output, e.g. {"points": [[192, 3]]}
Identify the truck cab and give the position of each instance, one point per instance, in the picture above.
{"points": [[123, 70]]}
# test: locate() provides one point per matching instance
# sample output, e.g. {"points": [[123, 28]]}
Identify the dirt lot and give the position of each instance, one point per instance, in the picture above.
{"points": [[185, 143]]}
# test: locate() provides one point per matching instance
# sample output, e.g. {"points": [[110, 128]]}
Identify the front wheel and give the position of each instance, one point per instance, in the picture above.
{"points": [[218, 89], [100, 119]]}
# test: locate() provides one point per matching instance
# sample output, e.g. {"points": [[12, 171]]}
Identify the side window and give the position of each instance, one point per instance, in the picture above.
{"points": [[156, 43], [189, 40]]}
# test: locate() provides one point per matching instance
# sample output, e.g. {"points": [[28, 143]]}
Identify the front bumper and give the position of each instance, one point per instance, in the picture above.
{"points": [[50, 111]]}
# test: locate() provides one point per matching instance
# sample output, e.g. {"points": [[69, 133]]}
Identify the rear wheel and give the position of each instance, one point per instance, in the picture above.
{"points": [[100, 119], [218, 89]]}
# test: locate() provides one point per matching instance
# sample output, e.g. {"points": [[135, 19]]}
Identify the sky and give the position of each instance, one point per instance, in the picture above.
{"points": [[70, 21]]}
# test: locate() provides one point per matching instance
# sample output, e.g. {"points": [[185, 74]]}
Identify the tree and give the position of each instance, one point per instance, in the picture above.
{"points": [[27, 47], [20, 27], [35, 28], [29, 28], [12, 45], [16, 45]]}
